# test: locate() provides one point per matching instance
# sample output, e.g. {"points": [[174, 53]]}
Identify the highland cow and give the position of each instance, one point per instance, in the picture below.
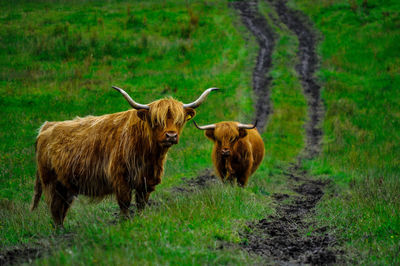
{"points": [[115, 153], [238, 150]]}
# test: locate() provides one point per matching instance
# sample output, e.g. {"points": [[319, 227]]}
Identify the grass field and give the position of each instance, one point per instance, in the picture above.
{"points": [[59, 59]]}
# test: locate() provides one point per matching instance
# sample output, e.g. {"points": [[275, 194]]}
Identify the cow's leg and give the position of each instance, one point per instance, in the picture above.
{"points": [[60, 202], [243, 177], [142, 196], [231, 179], [124, 197], [220, 166], [242, 180], [222, 173]]}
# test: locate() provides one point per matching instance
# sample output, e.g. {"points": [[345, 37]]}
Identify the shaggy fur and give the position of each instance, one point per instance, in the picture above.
{"points": [[244, 146], [109, 154]]}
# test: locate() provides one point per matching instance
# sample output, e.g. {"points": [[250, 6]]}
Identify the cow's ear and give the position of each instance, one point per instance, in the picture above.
{"points": [[242, 133], [210, 134], [189, 113], [143, 114]]}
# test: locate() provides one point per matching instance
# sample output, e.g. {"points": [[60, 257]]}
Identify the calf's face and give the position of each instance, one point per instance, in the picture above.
{"points": [[225, 136]]}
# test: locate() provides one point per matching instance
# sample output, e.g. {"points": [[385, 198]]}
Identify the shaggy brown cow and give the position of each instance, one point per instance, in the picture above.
{"points": [[109, 154], [238, 150]]}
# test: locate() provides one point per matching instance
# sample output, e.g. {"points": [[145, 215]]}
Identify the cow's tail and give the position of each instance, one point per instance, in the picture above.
{"points": [[37, 191], [38, 185]]}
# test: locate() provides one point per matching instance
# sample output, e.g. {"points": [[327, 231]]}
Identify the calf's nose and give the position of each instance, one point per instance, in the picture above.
{"points": [[225, 152]]}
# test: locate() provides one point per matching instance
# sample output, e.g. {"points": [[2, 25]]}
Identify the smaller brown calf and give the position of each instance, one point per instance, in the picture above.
{"points": [[238, 150]]}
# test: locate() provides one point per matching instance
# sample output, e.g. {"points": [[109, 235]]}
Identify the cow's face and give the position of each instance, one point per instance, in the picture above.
{"points": [[225, 136], [166, 119]]}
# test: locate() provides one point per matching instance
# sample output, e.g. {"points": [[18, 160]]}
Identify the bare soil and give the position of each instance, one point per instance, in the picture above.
{"points": [[207, 178], [27, 253], [287, 236]]}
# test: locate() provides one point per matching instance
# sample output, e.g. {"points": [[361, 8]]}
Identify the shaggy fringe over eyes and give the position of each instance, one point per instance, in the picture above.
{"points": [[227, 131], [162, 109]]}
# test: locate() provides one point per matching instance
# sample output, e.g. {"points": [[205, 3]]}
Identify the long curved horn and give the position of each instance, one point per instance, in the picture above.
{"points": [[212, 126], [240, 125], [130, 101], [200, 100]]}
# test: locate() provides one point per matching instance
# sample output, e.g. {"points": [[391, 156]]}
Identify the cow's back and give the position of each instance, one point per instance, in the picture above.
{"points": [[77, 152]]}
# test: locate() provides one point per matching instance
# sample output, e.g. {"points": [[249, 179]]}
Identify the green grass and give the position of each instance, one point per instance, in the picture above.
{"points": [[361, 77], [179, 228], [59, 59]]}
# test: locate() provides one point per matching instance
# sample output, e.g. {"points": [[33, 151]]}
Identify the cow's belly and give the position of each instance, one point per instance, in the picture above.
{"points": [[89, 186]]}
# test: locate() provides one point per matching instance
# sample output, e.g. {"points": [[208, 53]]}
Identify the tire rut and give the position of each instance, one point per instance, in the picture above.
{"points": [[258, 26], [298, 23], [285, 236]]}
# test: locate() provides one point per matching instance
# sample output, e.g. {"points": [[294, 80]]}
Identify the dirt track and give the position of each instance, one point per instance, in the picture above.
{"points": [[282, 237], [298, 23], [264, 35]]}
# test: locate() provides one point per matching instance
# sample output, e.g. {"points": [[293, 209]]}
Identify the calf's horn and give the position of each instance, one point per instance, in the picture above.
{"points": [[212, 126], [240, 125], [200, 100], [134, 104]]}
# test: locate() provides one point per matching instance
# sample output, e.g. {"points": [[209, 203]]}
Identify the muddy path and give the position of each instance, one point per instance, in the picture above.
{"points": [[292, 236], [264, 35], [298, 23]]}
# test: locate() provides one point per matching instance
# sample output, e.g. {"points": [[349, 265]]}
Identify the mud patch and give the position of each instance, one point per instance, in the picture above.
{"points": [[21, 254], [284, 236], [27, 253], [257, 24], [204, 180]]}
